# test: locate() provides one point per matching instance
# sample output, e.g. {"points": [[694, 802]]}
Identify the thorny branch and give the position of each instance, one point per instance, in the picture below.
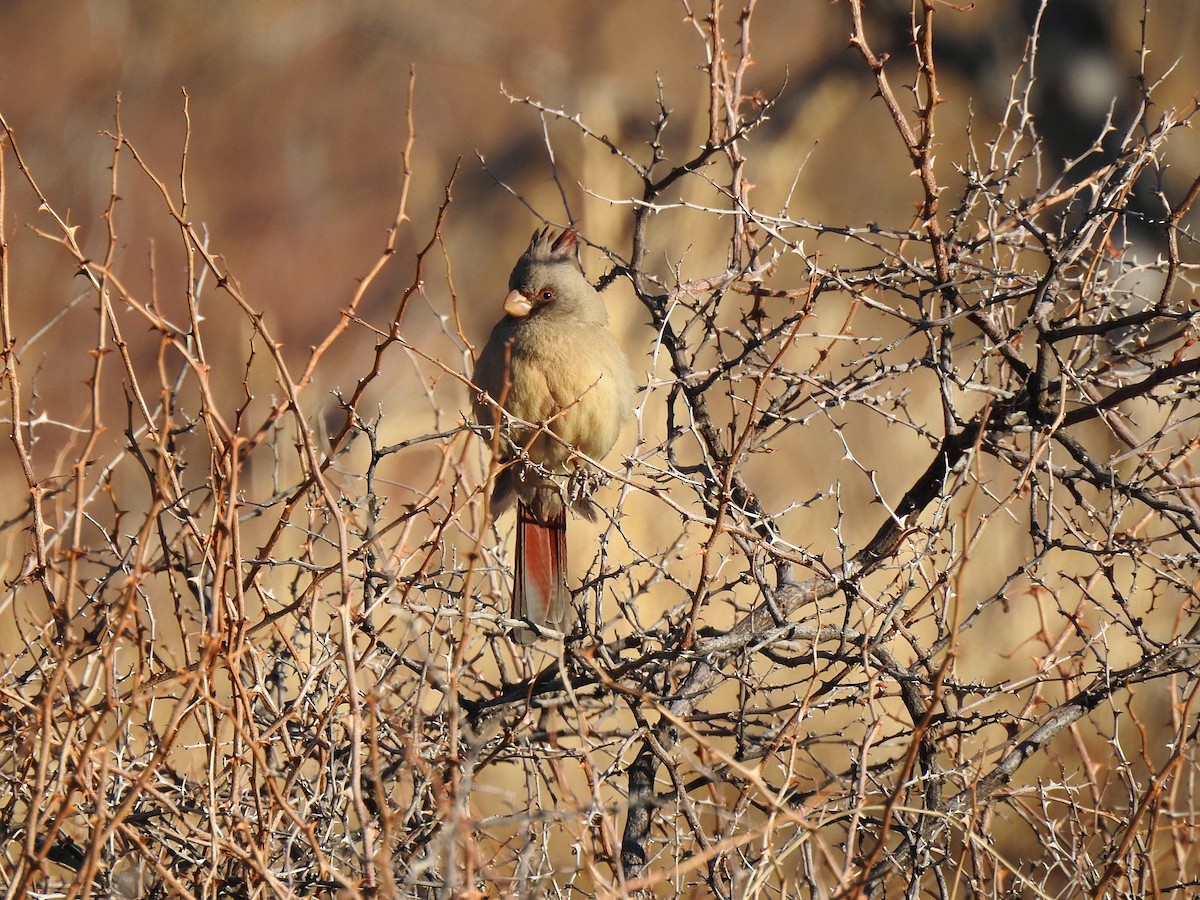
{"points": [[909, 526]]}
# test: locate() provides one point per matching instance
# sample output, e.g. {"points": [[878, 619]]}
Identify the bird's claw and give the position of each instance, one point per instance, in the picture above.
{"points": [[581, 484]]}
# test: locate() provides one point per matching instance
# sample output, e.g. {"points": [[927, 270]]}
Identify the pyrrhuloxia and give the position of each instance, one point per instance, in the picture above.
{"points": [[552, 362]]}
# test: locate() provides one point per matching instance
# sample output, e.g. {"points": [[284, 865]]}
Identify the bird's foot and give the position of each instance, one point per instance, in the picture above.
{"points": [[581, 484]]}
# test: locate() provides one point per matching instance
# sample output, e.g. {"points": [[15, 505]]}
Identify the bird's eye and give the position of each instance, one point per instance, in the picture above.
{"points": [[546, 295]]}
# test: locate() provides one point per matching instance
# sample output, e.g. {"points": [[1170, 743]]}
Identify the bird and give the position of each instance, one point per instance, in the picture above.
{"points": [[554, 367]]}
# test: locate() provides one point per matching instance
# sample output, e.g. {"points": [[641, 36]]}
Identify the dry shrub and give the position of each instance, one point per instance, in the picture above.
{"points": [[896, 594]]}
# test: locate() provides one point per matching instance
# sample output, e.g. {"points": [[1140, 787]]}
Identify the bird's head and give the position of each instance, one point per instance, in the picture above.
{"points": [[546, 281]]}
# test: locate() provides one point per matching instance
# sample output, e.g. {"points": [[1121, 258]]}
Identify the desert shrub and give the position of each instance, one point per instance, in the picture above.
{"points": [[894, 593]]}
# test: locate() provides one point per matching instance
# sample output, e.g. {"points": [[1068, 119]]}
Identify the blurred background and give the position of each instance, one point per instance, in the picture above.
{"points": [[298, 120]]}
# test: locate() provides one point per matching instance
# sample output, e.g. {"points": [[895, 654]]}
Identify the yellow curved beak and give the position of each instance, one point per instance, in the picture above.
{"points": [[517, 304]]}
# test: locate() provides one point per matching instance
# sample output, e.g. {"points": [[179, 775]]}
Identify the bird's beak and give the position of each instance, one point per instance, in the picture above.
{"points": [[517, 305]]}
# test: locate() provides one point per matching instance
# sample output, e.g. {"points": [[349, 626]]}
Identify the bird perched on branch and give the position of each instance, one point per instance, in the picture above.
{"points": [[552, 364]]}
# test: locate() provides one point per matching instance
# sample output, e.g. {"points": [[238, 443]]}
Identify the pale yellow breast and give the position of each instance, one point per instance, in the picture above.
{"points": [[582, 387]]}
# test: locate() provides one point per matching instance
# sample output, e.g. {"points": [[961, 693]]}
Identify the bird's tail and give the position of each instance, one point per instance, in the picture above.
{"points": [[540, 594]]}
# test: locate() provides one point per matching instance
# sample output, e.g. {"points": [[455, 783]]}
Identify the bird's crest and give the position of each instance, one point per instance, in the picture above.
{"points": [[547, 245]]}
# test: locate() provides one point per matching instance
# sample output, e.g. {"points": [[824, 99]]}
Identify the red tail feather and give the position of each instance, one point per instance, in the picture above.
{"points": [[540, 594]]}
